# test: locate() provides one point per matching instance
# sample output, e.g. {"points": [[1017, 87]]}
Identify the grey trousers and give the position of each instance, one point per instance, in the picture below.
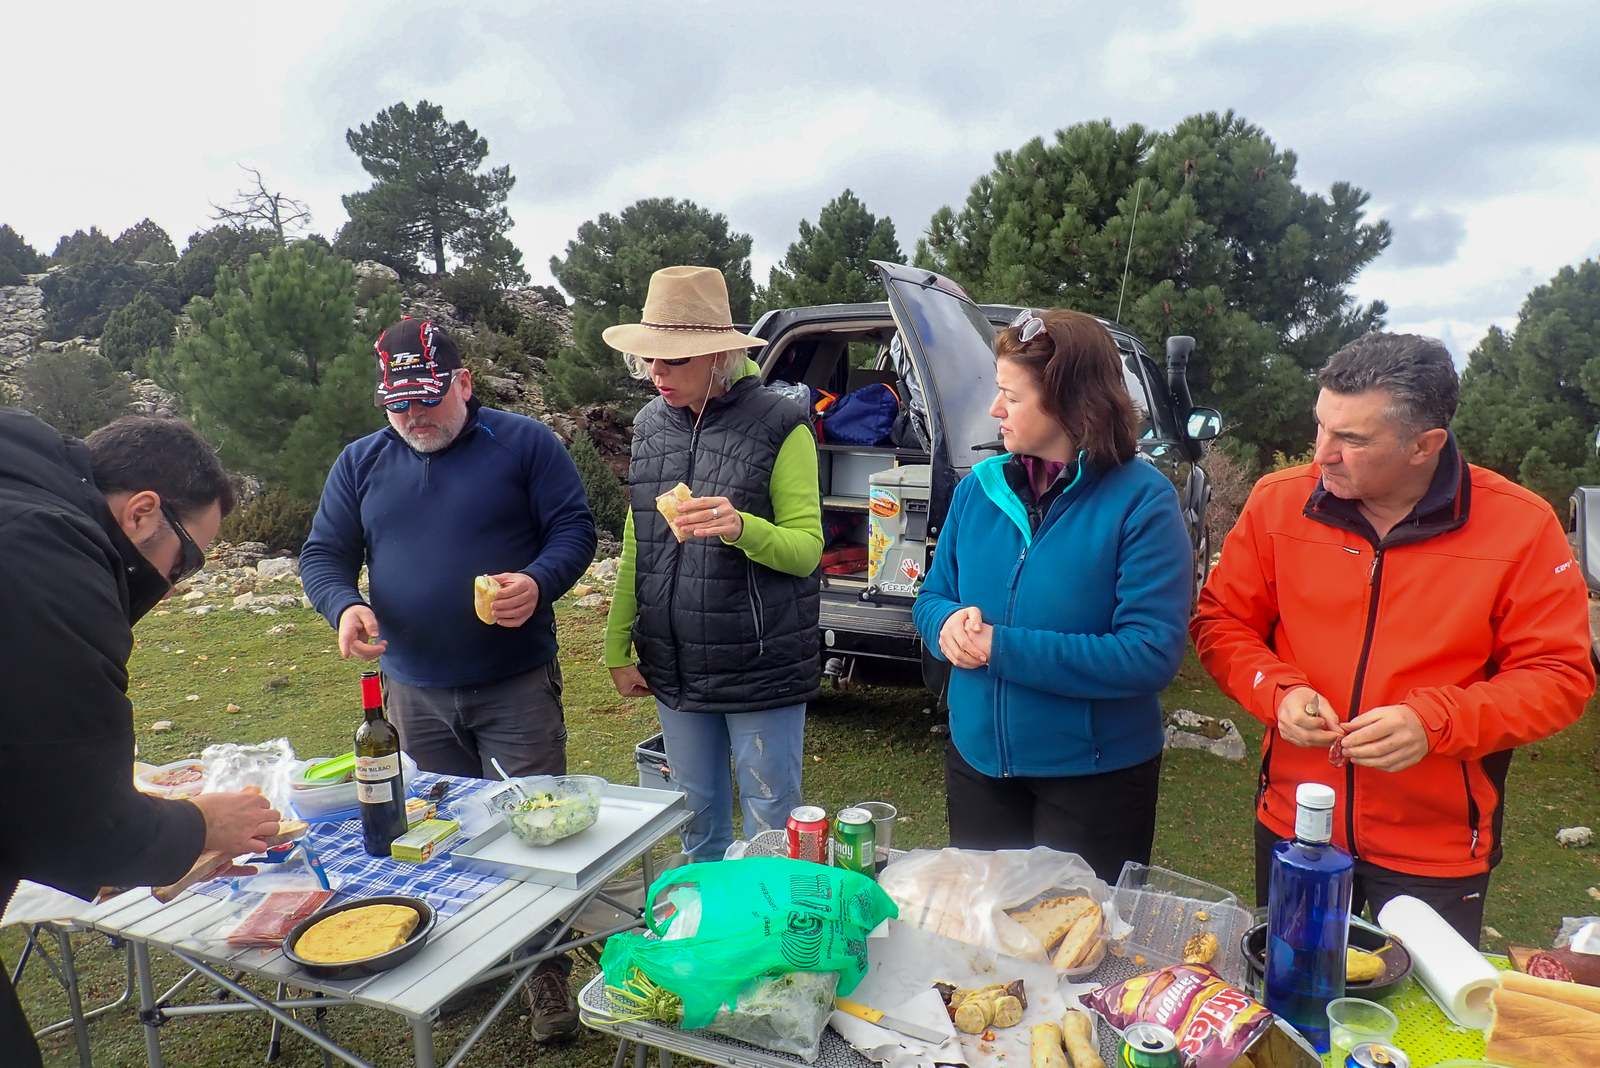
{"points": [[455, 731]]}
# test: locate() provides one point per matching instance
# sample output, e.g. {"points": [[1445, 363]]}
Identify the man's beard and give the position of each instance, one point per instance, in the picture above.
{"points": [[440, 437]]}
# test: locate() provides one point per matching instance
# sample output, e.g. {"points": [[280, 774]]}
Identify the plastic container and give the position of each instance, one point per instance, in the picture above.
{"points": [[651, 757], [175, 781], [1166, 909], [557, 807], [1352, 1021], [320, 804]]}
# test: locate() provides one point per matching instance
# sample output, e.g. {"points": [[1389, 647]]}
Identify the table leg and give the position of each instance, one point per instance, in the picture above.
{"points": [[275, 1036], [147, 1005], [69, 978], [641, 1055], [422, 1043], [621, 1059], [666, 1058]]}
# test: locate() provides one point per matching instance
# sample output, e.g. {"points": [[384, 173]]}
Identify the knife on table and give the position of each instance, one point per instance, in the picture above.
{"points": [[876, 1016]]}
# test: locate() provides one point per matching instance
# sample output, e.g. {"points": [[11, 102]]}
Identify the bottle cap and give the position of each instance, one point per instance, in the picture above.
{"points": [[1314, 795]]}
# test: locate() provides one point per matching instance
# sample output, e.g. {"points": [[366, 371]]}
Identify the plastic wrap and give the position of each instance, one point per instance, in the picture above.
{"points": [[267, 768]]}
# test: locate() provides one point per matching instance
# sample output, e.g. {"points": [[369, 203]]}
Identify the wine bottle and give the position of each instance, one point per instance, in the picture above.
{"points": [[1308, 918], [379, 786]]}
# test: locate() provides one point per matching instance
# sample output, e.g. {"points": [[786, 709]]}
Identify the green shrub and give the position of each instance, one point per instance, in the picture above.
{"points": [[370, 288], [276, 518], [21, 254], [76, 390], [135, 330], [539, 336], [607, 500], [10, 275], [489, 347]]}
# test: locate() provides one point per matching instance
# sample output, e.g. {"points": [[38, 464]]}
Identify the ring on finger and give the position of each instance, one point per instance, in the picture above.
{"points": [[715, 512]]}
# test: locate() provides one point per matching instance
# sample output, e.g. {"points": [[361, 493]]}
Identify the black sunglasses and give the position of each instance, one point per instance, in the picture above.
{"points": [[677, 362], [1028, 325], [190, 557], [427, 402]]}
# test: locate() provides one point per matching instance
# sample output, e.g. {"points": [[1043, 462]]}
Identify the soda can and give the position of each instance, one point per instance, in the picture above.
{"points": [[1377, 1055], [854, 841], [1148, 1045], [806, 834]]}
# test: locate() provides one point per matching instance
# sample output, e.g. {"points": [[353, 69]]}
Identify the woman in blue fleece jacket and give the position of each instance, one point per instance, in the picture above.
{"points": [[1059, 594]]}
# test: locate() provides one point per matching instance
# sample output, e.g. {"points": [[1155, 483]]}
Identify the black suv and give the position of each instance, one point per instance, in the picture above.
{"points": [[935, 348]]}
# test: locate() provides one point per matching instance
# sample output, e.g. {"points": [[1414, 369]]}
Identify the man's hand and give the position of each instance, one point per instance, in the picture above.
{"points": [[358, 634], [518, 597], [710, 517], [236, 822], [964, 638], [1306, 719], [629, 682], [1389, 738]]}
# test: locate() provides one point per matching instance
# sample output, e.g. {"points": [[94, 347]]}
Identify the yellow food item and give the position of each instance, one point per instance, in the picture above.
{"points": [[1084, 943], [974, 1015], [356, 934], [1200, 948], [1361, 966], [1077, 1034], [1007, 1011], [669, 502], [1044, 1049], [1051, 920], [484, 590]]}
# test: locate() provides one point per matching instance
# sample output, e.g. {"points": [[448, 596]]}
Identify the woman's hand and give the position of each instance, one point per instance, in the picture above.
{"points": [[629, 682], [965, 638], [710, 517]]}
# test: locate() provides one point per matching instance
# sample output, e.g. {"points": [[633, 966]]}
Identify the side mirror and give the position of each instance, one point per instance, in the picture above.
{"points": [[1204, 424], [1584, 514]]}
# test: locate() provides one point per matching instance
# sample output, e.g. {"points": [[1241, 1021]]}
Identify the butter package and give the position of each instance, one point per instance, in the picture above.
{"points": [[419, 809], [421, 842]]}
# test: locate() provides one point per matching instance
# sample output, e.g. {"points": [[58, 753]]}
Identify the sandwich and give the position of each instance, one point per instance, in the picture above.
{"points": [[669, 503]]}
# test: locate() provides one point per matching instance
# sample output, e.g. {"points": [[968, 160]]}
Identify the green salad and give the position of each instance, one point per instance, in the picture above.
{"points": [[547, 816]]}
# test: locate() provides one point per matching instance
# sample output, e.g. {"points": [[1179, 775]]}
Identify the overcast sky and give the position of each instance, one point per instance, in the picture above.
{"points": [[1474, 126]]}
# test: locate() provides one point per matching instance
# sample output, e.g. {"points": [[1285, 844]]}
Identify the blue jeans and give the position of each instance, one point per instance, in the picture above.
{"points": [[766, 752]]}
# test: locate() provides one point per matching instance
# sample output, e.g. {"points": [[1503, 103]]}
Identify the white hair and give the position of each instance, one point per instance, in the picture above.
{"points": [[725, 365]]}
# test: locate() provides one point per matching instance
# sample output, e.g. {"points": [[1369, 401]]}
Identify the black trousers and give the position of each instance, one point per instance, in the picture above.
{"points": [[1106, 819], [1459, 901]]}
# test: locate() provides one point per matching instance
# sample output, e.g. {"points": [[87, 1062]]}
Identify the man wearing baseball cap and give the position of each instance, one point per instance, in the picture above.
{"points": [[449, 491]]}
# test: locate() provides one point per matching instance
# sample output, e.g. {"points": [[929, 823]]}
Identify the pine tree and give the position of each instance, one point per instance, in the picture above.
{"points": [[607, 271], [1530, 400], [607, 499], [830, 263], [429, 197], [1227, 247], [137, 330], [18, 254], [145, 241], [274, 370], [208, 251]]}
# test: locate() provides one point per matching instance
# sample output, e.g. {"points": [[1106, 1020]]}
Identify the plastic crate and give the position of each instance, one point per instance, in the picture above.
{"points": [[651, 757]]}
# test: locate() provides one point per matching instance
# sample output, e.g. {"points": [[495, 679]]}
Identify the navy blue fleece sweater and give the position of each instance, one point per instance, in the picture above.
{"points": [[504, 496]]}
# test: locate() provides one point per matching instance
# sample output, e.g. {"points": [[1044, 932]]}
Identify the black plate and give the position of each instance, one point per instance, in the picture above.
{"points": [[352, 969], [1397, 962]]}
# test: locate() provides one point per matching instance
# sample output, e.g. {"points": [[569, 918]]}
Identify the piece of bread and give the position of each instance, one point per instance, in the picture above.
{"points": [[1574, 994], [1050, 920], [1535, 1032], [667, 504], [1200, 948], [288, 831], [484, 589], [1082, 941]]}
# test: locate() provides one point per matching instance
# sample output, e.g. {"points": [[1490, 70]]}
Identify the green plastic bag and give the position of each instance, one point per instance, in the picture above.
{"points": [[759, 917]]}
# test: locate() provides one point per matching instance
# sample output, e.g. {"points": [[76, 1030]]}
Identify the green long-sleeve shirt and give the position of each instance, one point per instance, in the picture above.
{"points": [[790, 542]]}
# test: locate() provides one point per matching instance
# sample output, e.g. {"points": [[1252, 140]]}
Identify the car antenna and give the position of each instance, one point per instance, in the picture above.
{"points": [[1137, 189]]}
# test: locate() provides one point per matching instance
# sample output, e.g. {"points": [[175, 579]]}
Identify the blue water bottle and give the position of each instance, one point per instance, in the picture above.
{"points": [[1308, 917]]}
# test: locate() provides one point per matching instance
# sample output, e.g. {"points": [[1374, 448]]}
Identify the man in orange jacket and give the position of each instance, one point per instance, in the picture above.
{"points": [[1401, 621]]}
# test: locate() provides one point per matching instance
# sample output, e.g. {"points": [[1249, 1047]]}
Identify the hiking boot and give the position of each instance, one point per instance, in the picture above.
{"points": [[552, 1014]]}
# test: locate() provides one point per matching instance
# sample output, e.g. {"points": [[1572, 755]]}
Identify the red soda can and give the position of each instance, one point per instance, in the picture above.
{"points": [[806, 834]]}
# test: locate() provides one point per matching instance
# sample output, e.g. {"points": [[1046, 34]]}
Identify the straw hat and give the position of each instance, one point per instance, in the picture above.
{"points": [[685, 314]]}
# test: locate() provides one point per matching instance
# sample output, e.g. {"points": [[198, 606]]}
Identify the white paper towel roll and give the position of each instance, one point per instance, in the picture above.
{"points": [[1454, 974]]}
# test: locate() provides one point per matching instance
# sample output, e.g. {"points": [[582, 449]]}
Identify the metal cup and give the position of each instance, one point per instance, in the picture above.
{"points": [[883, 816]]}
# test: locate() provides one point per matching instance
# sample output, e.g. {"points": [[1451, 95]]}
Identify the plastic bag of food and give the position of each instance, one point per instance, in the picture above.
{"points": [[1033, 904], [1214, 1022], [267, 768]]}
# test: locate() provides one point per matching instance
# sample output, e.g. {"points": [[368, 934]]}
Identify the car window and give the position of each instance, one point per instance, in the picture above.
{"points": [[1139, 396], [1158, 416]]}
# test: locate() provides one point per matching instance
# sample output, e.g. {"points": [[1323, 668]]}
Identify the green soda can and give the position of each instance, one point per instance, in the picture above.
{"points": [[854, 841], [1147, 1045]]}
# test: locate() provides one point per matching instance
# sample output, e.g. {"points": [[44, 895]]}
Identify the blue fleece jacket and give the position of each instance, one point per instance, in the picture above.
{"points": [[504, 496], [1088, 615]]}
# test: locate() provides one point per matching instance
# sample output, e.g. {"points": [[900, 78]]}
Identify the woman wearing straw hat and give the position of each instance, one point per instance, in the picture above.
{"points": [[719, 603]]}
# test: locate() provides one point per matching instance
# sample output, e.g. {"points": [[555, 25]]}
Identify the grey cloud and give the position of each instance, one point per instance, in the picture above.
{"points": [[1425, 238]]}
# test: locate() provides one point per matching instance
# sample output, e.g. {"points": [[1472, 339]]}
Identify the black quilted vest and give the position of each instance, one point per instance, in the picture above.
{"points": [[715, 631]]}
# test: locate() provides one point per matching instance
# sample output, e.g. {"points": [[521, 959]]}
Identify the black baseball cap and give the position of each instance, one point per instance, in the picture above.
{"points": [[415, 359]]}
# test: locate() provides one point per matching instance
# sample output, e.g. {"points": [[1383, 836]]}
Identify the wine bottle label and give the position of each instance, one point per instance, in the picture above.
{"points": [[375, 793], [377, 769], [1313, 824]]}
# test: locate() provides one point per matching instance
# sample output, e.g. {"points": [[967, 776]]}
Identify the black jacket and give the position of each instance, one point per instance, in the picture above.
{"points": [[717, 632], [70, 585]]}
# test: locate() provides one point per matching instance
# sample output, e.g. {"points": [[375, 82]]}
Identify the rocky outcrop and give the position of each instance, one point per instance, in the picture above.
{"points": [[150, 399], [21, 321]]}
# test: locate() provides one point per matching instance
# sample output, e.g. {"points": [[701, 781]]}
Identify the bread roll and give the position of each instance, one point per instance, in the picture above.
{"points": [[1535, 1032], [1583, 997], [484, 589], [667, 504], [1081, 942]]}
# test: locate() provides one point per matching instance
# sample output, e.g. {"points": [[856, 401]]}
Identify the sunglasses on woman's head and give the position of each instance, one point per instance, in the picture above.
{"points": [[190, 556], [1028, 325], [652, 360]]}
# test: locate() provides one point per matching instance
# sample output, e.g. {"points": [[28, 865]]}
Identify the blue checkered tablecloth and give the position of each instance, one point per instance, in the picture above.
{"points": [[337, 844]]}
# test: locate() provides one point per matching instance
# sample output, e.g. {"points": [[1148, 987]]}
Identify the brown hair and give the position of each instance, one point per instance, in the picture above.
{"points": [[1078, 369]]}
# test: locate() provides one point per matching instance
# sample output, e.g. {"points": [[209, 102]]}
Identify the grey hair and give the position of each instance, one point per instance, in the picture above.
{"points": [[1417, 372], [725, 366]]}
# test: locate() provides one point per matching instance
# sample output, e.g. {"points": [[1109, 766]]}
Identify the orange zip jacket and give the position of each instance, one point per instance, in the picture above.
{"points": [[1472, 611]]}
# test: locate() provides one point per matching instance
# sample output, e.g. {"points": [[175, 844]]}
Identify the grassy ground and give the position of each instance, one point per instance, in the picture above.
{"points": [[867, 743]]}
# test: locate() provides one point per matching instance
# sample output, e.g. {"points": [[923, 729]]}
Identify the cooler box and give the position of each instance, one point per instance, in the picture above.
{"points": [[897, 529], [651, 757]]}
